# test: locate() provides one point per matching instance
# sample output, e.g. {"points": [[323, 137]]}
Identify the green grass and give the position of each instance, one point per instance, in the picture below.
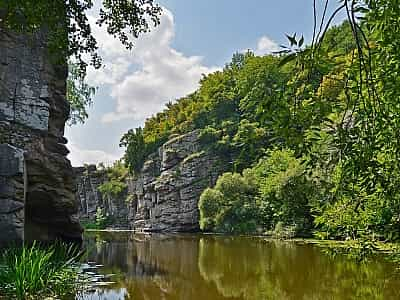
{"points": [[34, 272]]}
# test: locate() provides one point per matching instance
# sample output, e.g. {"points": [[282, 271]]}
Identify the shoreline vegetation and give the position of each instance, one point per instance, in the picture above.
{"points": [[54, 271], [306, 136], [39, 270], [376, 246]]}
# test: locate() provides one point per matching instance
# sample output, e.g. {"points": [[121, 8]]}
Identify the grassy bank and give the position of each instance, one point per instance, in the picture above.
{"points": [[36, 272]]}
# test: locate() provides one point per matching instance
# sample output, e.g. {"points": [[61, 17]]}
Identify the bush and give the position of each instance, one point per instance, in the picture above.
{"points": [[275, 191], [112, 188], [230, 206], [101, 219]]}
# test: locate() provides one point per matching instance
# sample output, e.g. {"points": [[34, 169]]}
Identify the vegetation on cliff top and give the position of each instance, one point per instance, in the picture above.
{"points": [[310, 134], [115, 181]]}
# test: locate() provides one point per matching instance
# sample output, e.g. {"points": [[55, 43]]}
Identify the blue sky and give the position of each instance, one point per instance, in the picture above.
{"points": [[195, 37]]}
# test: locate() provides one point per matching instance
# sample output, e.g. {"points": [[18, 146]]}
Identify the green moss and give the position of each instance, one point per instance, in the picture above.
{"points": [[193, 156]]}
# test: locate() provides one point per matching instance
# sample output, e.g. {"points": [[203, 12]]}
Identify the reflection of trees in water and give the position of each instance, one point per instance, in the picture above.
{"points": [[178, 255], [249, 268], [152, 267], [210, 268]]}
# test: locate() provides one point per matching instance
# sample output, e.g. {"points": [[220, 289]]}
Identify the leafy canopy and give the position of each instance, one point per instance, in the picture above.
{"points": [[69, 28]]}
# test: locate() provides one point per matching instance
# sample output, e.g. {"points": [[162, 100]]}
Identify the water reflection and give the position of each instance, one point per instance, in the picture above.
{"points": [[182, 267]]}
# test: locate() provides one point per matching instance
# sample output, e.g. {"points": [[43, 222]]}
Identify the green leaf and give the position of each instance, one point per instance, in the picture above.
{"points": [[292, 39], [287, 59], [301, 41]]}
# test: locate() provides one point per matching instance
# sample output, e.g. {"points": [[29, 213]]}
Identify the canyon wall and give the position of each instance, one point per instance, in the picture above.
{"points": [[114, 208], [165, 195], [37, 188]]}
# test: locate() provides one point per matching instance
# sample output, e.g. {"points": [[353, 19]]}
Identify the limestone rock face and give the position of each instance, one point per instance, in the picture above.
{"points": [[115, 208], [33, 111], [166, 193], [12, 194]]}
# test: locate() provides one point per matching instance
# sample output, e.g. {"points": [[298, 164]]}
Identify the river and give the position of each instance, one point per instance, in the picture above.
{"points": [[208, 267]]}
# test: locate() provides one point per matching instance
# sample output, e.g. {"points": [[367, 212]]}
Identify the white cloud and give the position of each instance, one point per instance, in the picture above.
{"points": [[79, 157], [266, 46], [152, 74]]}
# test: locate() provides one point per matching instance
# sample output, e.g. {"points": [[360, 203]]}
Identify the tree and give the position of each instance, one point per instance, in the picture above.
{"points": [[70, 36], [230, 206], [79, 96], [285, 194], [68, 26], [115, 183], [136, 150]]}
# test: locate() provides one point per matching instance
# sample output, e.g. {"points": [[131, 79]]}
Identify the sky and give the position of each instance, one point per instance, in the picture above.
{"points": [[195, 37]]}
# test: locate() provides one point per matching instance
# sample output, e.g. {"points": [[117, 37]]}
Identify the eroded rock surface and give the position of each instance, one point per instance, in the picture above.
{"points": [[115, 208], [165, 195], [33, 111], [12, 194]]}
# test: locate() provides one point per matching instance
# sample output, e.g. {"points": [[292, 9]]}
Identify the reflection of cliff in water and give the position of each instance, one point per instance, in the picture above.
{"points": [[250, 268], [152, 267], [195, 267], [119, 252]]}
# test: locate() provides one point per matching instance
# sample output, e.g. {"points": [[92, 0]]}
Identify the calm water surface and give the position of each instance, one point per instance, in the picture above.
{"points": [[199, 267]]}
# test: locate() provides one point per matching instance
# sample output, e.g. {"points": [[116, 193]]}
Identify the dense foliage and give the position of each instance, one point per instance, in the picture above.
{"points": [[309, 136], [114, 183], [274, 193]]}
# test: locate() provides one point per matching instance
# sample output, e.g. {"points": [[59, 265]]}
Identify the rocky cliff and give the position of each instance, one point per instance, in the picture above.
{"points": [[114, 207], [37, 191], [165, 195]]}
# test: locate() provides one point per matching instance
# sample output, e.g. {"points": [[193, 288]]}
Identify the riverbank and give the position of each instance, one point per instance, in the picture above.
{"points": [[388, 248]]}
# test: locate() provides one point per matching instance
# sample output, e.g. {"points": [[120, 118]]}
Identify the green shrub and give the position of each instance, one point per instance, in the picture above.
{"points": [[101, 219], [275, 191], [91, 225], [112, 188], [230, 206]]}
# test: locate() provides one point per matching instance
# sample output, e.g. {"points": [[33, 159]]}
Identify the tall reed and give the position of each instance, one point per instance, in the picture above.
{"points": [[36, 271]]}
